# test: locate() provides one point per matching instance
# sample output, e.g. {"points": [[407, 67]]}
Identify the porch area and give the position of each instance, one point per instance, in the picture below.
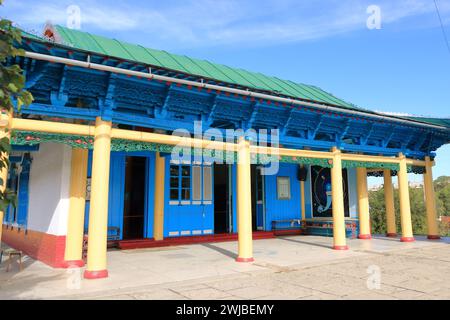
{"points": [[294, 267], [103, 137], [96, 107]]}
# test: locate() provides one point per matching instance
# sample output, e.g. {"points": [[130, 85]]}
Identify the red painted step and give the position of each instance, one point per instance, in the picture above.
{"points": [[150, 243], [292, 232]]}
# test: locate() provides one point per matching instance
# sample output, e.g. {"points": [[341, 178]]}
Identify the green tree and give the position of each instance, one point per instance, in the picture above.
{"points": [[12, 83], [418, 210], [377, 212]]}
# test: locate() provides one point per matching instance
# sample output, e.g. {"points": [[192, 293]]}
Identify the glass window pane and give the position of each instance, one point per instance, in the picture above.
{"points": [[174, 182], [173, 194], [185, 171], [207, 183], [174, 170], [185, 194], [196, 183], [186, 182]]}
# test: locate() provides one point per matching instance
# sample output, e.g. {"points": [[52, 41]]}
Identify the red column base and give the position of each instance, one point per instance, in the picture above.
{"points": [[238, 259], [340, 247], [391, 235], [407, 239], [95, 274], [365, 236], [73, 263], [433, 237]]}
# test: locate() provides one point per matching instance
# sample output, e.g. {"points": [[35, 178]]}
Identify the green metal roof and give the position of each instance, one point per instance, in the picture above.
{"points": [[202, 68], [436, 121], [30, 35]]}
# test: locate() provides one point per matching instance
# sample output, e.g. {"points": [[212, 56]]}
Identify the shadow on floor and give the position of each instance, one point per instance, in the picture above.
{"points": [[21, 286], [26, 260], [418, 238], [223, 251], [305, 242]]}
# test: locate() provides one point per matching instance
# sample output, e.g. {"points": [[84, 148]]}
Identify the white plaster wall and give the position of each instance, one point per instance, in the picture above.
{"points": [[49, 189]]}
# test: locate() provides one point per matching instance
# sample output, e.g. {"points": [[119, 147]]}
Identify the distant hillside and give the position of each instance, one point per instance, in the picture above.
{"points": [[442, 180], [442, 189], [418, 213]]}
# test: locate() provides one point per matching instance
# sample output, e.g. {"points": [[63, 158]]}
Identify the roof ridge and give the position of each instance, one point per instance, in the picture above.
{"points": [[430, 117], [191, 58]]}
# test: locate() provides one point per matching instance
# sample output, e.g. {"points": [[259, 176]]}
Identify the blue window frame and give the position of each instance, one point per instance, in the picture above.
{"points": [[185, 176], [174, 182], [190, 184], [180, 182]]}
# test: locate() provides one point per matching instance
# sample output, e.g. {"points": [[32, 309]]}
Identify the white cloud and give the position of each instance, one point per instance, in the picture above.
{"points": [[213, 22], [399, 114], [36, 13]]}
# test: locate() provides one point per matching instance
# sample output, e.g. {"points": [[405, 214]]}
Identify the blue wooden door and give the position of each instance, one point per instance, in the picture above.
{"points": [[259, 199], [116, 191], [186, 214], [23, 192]]}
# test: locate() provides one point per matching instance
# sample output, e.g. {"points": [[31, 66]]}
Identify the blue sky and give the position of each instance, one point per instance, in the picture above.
{"points": [[404, 67]]}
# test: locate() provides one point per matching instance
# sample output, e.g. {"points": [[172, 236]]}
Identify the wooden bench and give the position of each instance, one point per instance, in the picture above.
{"points": [[287, 226], [113, 239], [325, 228], [13, 253], [314, 227], [292, 224], [113, 234]]}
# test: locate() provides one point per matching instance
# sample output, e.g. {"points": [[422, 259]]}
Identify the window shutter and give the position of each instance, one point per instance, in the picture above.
{"points": [[196, 183], [207, 183]]}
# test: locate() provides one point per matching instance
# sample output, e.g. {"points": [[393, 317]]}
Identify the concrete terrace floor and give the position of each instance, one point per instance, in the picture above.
{"points": [[298, 267]]}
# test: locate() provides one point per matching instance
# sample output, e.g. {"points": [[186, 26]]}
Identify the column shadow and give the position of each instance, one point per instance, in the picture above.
{"points": [[305, 242], [220, 250]]}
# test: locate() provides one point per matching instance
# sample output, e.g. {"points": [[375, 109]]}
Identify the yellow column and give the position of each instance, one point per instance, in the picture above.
{"points": [[98, 213], [430, 201], [405, 207], [75, 227], [5, 124], [363, 204], [244, 207], [337, 194], [158, 207], [389, 203]]}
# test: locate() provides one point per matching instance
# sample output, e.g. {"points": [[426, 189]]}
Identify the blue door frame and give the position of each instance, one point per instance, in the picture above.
{"points": [[259, 203], [117, 190], [234, 196]]}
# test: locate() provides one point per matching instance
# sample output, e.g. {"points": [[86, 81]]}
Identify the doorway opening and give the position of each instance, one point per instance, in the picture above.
{"points": [[222, 198], [135, 197], [257, 182]]}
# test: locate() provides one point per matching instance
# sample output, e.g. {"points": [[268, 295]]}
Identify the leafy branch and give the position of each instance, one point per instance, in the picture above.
{"points": [[12, 93]]}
